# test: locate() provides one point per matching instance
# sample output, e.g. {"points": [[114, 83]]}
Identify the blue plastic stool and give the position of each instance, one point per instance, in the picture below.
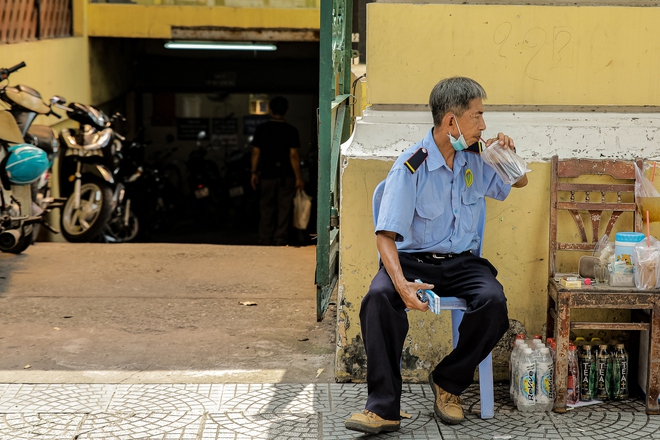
{"points": [[457, 307]]}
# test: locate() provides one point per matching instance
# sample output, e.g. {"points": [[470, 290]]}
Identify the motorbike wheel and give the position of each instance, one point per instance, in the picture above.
{"points": [[117, 232], [86, 223]]}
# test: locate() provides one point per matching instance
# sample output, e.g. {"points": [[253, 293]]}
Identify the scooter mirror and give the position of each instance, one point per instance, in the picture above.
{"points": [[201, 135], [57, 100]]}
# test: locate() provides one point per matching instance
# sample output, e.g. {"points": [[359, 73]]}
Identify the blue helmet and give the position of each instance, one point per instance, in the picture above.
{"points": [[26, 163]]}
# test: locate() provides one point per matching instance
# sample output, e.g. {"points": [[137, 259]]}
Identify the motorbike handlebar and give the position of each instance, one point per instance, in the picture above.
{"points": [[4, 73]]}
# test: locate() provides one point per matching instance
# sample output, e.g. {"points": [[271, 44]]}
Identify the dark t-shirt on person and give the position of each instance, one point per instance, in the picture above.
{"points": [[274, 140]]}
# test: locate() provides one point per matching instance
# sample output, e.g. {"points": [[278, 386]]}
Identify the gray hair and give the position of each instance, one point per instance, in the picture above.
{"points": [[453, 94]]}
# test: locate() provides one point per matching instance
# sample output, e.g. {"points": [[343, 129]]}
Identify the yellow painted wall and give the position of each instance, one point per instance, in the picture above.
{"points": [[522, 55], [54, 67], [66, 67], [140, 21], [516, 243]]}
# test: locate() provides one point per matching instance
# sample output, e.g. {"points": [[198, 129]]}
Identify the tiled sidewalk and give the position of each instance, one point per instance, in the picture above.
{"points": [[282, 411]]}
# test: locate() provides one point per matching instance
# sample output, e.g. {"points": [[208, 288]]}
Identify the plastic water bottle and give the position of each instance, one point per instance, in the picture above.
{"points": [[527, 368], [573, 382], [552, 345], [536, 350], [517, 373], [536, 347], [512, 367], [531, 342], [520, 337], [545, 377]]}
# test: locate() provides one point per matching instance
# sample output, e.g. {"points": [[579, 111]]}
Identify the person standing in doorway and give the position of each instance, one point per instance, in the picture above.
{"points": [[276, 171]]}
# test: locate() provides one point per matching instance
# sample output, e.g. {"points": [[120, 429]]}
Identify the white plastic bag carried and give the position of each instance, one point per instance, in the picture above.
{"points": [[302, 209], [507, 164]]}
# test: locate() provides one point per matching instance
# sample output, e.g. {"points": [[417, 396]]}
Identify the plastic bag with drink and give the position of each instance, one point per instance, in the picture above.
{"points": [[506, 163], [647, 262], [647, 197]]}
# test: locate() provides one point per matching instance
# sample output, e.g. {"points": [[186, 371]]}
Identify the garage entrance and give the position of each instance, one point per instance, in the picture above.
{"points": [[192, 114]]}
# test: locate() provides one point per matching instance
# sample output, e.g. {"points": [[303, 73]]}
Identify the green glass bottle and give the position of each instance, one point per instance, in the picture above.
{"points": [[601, 373], [616, 376], [587, 366], [621, 365], [609, 378]]}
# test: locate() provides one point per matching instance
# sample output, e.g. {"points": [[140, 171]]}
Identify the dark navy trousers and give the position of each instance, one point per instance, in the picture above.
{"points": [[385, 325]]}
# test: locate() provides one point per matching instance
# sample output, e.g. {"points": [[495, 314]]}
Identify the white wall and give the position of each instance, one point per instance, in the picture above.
{"points": [[538, 135]]}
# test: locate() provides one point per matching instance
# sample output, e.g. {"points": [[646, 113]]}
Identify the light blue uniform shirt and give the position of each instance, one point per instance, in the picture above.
{"points": [[437, 209]]}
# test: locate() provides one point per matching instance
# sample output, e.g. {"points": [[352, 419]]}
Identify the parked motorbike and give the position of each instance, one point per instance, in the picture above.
{"points": [[24, 166], [160, 191], [205, 184], [124, 225], [98, 204]]}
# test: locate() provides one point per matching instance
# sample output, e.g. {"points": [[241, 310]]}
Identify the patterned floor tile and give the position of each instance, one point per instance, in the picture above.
{"points": [[285, 411]]}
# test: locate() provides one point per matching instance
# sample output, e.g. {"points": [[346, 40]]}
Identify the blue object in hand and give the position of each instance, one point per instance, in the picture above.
{"points": [[430, 297]]}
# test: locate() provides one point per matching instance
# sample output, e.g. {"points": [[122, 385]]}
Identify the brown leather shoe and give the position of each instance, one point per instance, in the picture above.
{"points": [[371, 423], [447, 405]]}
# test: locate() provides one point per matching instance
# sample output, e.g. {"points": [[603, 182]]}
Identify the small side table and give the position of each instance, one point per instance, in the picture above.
{"points": [[560, 302]]}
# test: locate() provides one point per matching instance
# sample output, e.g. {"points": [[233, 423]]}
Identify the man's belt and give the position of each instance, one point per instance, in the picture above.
{"points": [[434, 257]]}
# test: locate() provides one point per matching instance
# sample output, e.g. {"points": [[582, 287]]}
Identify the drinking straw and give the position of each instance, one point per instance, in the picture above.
{"points": [[653, 175], [648, 231]]}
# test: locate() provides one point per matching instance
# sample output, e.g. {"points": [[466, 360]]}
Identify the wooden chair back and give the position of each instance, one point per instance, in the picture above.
{"points": [[594, 201]]}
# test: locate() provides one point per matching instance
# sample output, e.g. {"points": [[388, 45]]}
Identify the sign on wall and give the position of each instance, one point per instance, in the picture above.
{"points": [[187, 129], [224, 132]]}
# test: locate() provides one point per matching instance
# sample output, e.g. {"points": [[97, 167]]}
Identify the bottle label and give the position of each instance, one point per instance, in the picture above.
{"points": [[545, 374], [601, 378], [586, 379], [623, 378], [528, 384]]}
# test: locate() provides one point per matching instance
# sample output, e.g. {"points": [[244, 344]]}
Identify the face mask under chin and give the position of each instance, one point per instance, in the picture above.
{"points": [[458, 144]]}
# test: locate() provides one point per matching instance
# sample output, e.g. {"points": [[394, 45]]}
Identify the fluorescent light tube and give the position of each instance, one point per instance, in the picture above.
{"points": [[218, 45]]}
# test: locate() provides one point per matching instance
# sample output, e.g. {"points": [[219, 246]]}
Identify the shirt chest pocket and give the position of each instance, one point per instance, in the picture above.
{"points": [[428, 225], [471, 207]]}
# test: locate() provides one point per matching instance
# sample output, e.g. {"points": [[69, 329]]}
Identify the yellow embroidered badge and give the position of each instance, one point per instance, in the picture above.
{"points": [[469, 177]]}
